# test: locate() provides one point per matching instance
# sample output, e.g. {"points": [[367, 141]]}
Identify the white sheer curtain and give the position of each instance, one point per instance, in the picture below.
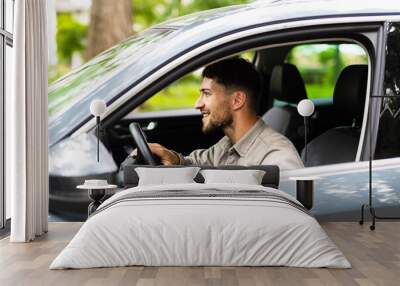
{"points": [[26, 123]]}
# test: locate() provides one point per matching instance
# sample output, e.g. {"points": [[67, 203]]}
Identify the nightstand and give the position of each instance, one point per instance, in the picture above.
{"points": [[96, 194]]}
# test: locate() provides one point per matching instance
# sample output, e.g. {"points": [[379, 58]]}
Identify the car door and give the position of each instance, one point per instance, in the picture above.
{"points": [[340, 188]]}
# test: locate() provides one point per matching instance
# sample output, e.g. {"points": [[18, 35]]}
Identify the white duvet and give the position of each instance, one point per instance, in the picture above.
{"points": [[190, 230]]}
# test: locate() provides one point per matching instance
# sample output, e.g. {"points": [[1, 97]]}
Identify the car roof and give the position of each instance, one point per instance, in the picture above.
{"points": [[185, 33], [264, 11]]}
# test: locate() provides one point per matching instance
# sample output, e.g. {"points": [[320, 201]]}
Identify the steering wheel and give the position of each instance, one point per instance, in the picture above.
{"points": [[142, 145]]}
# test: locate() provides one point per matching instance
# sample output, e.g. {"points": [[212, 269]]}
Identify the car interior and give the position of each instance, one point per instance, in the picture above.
{"points": [[287, 78]]}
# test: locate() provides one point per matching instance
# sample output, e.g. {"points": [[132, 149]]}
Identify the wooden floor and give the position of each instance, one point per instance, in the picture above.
{"points": [[374, 255]]}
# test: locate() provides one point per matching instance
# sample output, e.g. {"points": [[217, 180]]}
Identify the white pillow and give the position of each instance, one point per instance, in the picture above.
{"points": [[248, 177], [163, 176]]}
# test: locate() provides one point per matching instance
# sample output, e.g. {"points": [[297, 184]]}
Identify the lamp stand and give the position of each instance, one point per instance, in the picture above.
{"points": [[98, 136], [305, 138], [370, 206]]}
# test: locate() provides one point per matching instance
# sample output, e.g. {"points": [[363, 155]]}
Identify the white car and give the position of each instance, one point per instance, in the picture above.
{"points": [[366, 38]]}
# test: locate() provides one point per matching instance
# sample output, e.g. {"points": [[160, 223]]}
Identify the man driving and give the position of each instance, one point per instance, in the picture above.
{"points": [[228, 98]]}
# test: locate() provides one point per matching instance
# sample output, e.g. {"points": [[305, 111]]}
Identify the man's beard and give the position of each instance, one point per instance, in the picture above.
{"points": [[215, 125]]}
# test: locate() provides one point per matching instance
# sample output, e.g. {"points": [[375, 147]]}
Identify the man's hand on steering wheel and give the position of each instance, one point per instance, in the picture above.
{"points": [[166, 156], [152, 154]]}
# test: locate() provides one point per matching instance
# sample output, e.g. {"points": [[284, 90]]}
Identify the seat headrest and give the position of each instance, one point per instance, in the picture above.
{"points": [[350, 89], [287, 84]]}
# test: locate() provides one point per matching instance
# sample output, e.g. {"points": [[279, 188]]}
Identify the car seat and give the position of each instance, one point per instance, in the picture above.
{"points": [[286, 85], [339, 144]]}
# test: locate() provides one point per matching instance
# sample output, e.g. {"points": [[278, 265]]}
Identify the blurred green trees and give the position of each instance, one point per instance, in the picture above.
{"points": [[71, 37]]}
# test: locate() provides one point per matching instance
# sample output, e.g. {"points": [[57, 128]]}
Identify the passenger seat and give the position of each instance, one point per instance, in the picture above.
{"points": [[287, 85], [340, 144]]}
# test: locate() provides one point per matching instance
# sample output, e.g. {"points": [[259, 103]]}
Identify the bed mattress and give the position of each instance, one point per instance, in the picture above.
{"points": [[201, 225]]}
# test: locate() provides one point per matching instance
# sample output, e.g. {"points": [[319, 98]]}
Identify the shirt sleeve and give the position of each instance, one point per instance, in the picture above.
{"points": [[208, 157], [285, 159], [197, 157]]}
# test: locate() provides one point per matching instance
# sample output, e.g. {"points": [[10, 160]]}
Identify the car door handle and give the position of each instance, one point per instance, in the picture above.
{"points": [[151, 126]]}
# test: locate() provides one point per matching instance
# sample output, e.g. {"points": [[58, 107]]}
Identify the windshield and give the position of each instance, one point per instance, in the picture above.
{"points": [[70, 89]]}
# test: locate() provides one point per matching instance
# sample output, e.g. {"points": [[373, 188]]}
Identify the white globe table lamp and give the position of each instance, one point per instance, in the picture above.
{"points": [[305, 108], [97, 108]]}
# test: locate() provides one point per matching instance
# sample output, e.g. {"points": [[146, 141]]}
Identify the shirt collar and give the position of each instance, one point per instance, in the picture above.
{"points": [[244, 144]]}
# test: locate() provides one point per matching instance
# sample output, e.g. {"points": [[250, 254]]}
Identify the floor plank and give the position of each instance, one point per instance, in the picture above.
{"points": [[374, 255]]}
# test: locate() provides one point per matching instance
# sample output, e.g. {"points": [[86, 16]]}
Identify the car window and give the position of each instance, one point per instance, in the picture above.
{"points": [[182, 93], [321, 64]]}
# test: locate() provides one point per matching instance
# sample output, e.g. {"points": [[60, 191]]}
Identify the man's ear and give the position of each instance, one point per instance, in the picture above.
{"points": [[238, 100]]}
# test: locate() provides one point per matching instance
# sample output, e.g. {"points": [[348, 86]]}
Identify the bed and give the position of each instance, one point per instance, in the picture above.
{"points": [[201, 224]]}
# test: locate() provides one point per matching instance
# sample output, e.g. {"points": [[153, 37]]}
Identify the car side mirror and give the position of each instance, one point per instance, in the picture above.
{"points": [[305, 108], [97, 108]]}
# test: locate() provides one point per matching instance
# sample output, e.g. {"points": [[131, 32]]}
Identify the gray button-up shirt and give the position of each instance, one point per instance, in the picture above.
{"points": [[261, 145]]}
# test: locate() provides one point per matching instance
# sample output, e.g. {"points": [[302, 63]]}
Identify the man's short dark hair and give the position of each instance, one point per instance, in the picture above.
{"points": [[236, 73]]}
